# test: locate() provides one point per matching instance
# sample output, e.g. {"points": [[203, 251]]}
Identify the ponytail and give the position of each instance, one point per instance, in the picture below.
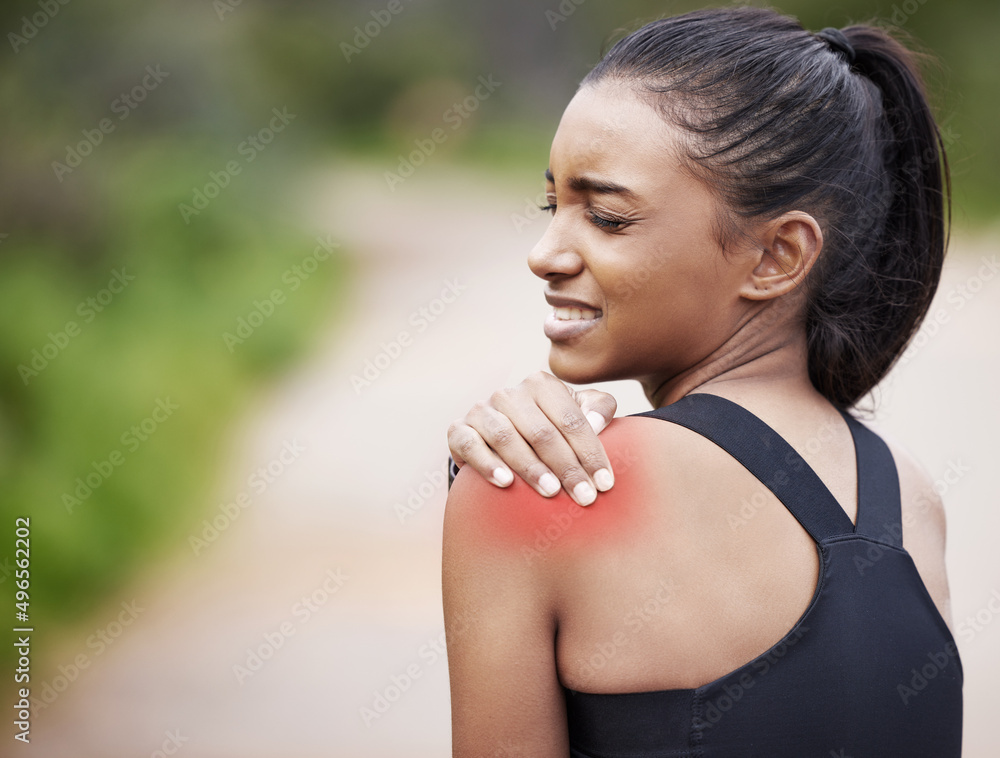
{"points": [[836, 125], [868, 301]]}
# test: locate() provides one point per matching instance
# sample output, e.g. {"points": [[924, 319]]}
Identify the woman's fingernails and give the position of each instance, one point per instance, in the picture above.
{"points": [[604, 480], [548, 485], [502, 476], [597, 421], [584, 493]]}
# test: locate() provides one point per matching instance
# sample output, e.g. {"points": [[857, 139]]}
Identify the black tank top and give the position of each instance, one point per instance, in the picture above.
{"points": [[870, 670]]}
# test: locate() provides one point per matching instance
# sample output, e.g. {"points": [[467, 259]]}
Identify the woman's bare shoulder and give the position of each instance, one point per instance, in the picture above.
{"points": [[645, 454], [920, 497], [924, 522]]}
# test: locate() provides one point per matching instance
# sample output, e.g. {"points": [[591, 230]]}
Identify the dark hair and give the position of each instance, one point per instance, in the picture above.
{"points": [[780, 119]]}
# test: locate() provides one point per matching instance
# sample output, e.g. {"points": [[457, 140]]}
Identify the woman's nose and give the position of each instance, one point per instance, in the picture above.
{"points": [[554, 256]]}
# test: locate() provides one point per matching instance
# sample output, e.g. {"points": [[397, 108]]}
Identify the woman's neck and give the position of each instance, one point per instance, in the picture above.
{"points": [[759, 356]]}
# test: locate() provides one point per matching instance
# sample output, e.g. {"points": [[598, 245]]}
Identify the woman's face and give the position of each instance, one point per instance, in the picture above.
{"points": [[638, 282]]}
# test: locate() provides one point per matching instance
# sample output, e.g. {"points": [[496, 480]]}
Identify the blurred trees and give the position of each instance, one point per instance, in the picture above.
{"points": [[232, 60]]}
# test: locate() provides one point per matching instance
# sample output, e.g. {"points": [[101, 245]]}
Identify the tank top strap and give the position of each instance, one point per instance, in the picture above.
{"points": [[879, 509], [766, 455]]}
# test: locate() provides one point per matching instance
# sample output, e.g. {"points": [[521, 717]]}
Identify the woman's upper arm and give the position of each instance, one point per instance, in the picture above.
{"points": [[924, 529], [500, 624]]}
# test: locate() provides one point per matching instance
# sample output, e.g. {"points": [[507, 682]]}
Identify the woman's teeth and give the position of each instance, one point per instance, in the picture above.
{"points": [[575, 314]]}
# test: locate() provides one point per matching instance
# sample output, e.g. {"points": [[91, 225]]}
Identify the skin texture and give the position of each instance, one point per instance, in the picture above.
{"points": [[665, 569]]}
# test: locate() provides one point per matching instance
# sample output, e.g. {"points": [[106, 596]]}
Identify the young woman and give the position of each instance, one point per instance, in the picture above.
{"points": [[749, 220]]}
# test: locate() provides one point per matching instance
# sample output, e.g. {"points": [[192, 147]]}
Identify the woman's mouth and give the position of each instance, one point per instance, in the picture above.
{"points": [[575, 314], [564, 323]]}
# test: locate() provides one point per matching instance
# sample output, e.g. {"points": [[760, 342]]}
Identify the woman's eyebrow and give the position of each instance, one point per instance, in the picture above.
{"points": [[596, 186]]}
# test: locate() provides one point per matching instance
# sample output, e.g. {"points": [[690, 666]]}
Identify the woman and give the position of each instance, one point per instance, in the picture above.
{"points": [[748, 219]]}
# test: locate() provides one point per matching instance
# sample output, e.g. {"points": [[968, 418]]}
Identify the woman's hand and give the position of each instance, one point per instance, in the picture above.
{"points": [[543, 430]]}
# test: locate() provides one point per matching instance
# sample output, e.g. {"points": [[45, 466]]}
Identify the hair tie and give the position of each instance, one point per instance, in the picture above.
{"points": [[838, 43]]}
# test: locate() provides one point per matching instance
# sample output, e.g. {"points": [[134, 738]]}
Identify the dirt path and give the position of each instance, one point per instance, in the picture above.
{"points": [[311, 624]]}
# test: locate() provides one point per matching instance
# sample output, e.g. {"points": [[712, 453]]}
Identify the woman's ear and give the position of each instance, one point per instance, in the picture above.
{"points": [[788, 246]]}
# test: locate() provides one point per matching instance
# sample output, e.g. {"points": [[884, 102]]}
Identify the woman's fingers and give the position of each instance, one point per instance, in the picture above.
{"points": [[510, 442], [467, 446], [598, 407], [532, 431], [542, 431], [547, 414]]}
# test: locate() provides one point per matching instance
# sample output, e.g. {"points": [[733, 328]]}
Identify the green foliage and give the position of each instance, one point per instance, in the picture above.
{"points": [[156, 343]]}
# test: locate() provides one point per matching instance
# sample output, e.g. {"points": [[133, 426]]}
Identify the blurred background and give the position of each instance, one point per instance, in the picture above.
{"points": [[254, 257]]}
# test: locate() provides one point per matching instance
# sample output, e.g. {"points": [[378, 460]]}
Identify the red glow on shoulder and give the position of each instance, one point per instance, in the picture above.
{"points": [[519, 518]]}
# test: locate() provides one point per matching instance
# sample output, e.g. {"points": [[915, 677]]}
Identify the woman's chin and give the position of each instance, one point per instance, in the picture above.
{"points": [[575, 369]]}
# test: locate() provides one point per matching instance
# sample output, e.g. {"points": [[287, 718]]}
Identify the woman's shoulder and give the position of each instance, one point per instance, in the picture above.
{"points": [[922, 513], [652, 461], [920, 493]]}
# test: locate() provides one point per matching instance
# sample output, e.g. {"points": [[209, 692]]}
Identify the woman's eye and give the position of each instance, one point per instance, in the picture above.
{"points": [[605, 223], [597, 220]]}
